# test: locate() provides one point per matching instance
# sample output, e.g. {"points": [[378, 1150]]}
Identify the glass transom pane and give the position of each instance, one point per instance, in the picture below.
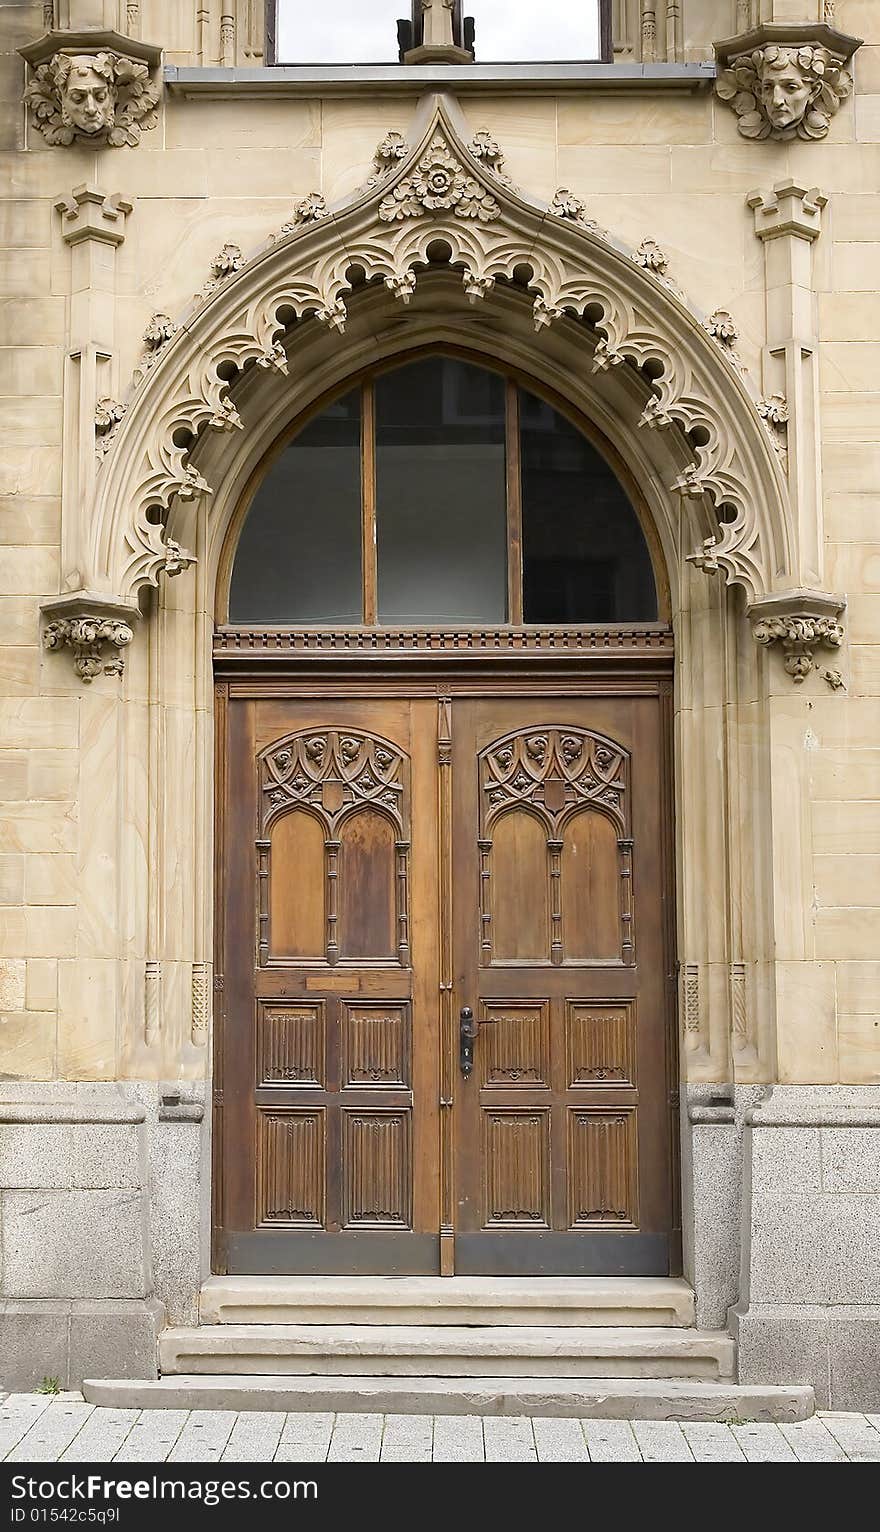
{"points": [[441, 521], [299, 555]]}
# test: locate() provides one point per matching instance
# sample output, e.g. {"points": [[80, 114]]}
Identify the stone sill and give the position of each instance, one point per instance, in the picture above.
{"points": [[406, 79]]}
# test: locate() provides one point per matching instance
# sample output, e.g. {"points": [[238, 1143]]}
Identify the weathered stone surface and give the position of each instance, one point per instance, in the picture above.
{"points": [[71, 1244]]}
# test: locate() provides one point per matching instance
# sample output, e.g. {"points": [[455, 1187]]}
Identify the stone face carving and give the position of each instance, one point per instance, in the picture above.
{"points": [[440, 183], [103, 97], [785, 90], [87, 637]]}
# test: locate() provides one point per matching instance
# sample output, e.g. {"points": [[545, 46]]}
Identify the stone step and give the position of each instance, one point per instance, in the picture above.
{"points": [[594, 1398], [447, 1300], [448, 1351]]}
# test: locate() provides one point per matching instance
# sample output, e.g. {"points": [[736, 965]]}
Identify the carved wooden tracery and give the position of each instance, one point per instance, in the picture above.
{"points": [[555, 774], [333, 775]]}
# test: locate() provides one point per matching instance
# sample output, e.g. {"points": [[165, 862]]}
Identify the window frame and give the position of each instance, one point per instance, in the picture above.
{"points": [[514, 380], [606, 42]]}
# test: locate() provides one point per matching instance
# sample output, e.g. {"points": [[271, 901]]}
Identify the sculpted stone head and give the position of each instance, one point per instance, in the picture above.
{"points": [[784, 88], [785, 92], [87, 91]]}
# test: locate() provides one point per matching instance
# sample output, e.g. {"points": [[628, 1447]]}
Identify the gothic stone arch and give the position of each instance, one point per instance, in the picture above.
{"points": [[446, 193]]}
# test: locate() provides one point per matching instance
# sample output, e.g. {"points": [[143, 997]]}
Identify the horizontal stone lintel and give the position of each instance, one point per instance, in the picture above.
{"points": [[461, 79]]}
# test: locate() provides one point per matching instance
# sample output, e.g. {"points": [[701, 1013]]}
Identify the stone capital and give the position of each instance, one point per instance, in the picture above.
{"points": [[790, 209], [89, 213]]}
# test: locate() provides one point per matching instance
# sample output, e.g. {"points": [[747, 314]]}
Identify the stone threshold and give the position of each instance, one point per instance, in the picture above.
{"points": [[585, 1399], [286, 80]]}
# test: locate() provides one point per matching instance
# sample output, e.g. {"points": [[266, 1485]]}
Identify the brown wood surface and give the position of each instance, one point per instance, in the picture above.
{"points": [[351, 933]]}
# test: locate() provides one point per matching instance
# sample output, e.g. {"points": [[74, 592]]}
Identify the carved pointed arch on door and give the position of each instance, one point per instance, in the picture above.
{"points": [[443, 192]]}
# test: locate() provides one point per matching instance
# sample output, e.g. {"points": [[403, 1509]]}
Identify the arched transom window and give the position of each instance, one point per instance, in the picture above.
{"points": [[441, 492]]}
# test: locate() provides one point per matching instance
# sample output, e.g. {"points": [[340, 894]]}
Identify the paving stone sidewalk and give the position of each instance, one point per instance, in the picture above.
{"points": [[64, 1429]]}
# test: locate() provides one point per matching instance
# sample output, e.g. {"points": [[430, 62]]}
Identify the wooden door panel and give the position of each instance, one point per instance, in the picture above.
{"points": [[562, 1146], [330, 1033]]}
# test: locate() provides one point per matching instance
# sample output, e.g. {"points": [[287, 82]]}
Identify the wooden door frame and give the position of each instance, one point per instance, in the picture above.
{"points": [[634, 660]]}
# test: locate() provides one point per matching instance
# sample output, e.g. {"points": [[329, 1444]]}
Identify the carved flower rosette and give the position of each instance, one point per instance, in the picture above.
{"points": [[439, 183]]}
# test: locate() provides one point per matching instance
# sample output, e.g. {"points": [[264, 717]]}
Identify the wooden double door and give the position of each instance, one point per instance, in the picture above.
{"points": [[444, 1036]]}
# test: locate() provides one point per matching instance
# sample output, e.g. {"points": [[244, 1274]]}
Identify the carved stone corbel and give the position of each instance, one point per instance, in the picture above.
{"points": [[785, 81], [92, 86], [800, 622], [95, 630]]}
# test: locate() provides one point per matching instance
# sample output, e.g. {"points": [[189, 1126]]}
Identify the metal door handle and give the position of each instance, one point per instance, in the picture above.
{"points": [[468, 1032]]}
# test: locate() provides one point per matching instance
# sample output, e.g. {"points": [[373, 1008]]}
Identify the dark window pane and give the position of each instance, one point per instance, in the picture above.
{"points": [[585, 558], [299, 556], [440, 494]]}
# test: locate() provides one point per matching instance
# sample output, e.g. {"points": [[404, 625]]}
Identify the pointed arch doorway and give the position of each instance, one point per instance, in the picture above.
{"points": [[445, 851]]}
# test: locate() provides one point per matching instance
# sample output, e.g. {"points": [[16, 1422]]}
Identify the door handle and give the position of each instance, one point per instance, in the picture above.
{"points": [[468, 1032]]}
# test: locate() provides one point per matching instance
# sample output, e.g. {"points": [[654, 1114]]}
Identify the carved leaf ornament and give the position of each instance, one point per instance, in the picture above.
{"points": [[446, 188]]}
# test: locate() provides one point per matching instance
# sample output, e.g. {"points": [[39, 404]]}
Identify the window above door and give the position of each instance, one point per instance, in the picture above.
{"points": [[441, 492], [493, 31]]}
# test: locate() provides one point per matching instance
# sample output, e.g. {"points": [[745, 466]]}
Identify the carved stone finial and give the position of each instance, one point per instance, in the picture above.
{"points": [[96, 97], [722, 327], [88, 637], [786, 82], [800, 622]]}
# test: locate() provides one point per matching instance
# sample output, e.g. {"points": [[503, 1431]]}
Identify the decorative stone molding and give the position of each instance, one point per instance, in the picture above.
{"points": [[440, 184], [785, 82], [108, 414], [92, 87], [800, 622], [88, 213], [652, 257], [92, 631], [442, 193]]}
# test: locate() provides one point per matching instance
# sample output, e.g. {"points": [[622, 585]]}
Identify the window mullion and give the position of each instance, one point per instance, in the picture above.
{"points": [[514, 506], [368, 502]]}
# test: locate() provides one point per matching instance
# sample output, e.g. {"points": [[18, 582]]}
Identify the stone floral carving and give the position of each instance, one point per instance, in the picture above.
{"points": [[785, 92], [226, 261], [87, 637], [799, 636], [103, 98], [722, 327], [390, 152], [650, 255], [774, 409], [159, 331], [108, 414], [309, 209], [566, 205], [439, 183]]}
